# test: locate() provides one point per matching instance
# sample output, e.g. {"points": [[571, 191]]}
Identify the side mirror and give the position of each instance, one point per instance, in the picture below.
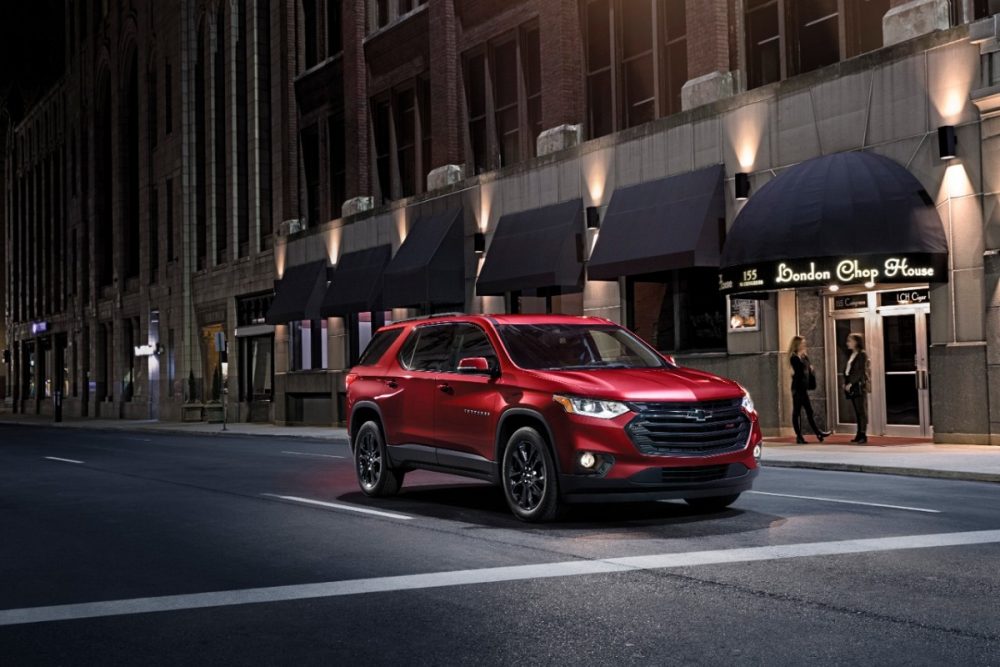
{"points": [[670, 360], [475, 366]]}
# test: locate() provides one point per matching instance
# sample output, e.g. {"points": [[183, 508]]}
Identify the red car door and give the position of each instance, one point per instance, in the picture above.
{"points": [[412, 387], [465, 414]]}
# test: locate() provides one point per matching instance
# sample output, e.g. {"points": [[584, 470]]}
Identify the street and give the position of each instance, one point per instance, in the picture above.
{"points": [[250, 550]]}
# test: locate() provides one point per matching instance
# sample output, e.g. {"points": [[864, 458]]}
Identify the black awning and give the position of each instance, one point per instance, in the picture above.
{"points": [[299, 293], [429, 268], [669, 223], [845, 218], [356, 285], [537, 251]]}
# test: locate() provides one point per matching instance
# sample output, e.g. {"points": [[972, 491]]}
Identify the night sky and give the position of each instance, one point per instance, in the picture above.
{"points": [[31, 53]]}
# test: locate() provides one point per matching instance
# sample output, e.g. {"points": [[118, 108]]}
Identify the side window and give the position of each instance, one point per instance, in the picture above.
{"points": [[428, 348], [471, 341], [378, 345]]}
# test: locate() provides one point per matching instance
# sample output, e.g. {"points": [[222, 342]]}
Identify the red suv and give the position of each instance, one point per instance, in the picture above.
{"points": [[554, 408]]}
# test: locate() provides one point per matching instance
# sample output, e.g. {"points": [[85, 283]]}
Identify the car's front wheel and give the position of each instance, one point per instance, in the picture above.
{"points": [[371, 462], [712, 503], [529, 478]]}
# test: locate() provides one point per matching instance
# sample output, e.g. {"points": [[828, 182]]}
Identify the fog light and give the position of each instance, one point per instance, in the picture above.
{"points": [[587, 460], [756, 452]]}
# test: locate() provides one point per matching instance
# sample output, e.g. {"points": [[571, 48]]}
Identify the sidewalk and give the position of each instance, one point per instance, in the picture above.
{"points": [[893, 456], [328, 433]]}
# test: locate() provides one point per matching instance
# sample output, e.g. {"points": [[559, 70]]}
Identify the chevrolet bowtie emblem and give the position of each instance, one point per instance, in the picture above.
{"points": [[699, 415]]}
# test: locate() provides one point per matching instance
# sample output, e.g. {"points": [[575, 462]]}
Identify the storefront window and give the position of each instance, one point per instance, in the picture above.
{"points": [[256, 368], [307, 345], [678, 310]]}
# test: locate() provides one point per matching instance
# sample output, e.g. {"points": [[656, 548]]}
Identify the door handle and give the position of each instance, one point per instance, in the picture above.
{"points": [[446, 388], [392, 384]]}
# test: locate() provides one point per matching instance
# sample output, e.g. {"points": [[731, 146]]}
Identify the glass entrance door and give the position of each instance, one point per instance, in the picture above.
{"points": [[906, 399], [897, 338]]}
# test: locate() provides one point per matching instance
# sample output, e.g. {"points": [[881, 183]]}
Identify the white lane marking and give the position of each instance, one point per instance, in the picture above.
{"points": [[339, 506], [56, 458], [325, 456], [848, 502], [411, 582]]}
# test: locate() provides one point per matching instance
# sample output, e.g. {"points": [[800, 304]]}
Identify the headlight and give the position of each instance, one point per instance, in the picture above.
{"points": [[747, 401], [591, 407]]}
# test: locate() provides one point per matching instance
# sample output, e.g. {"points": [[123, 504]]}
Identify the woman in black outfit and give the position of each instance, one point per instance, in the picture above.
{"points": [[803, 380], [857, 383]]}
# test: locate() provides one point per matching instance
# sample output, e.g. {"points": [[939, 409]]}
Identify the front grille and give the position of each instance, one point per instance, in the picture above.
{"points": [[689, 428], [694, 475]]}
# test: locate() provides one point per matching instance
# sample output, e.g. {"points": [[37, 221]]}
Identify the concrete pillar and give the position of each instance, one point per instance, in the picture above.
{"points": [[709, 56], [906, 20]]}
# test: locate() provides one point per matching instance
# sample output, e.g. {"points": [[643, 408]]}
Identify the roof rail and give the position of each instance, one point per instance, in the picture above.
{"points": [[429, 317]]}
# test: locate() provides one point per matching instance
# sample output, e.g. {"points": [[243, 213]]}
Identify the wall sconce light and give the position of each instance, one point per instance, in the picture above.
{"points": [[593, 218], [947, 142], [479, 243], [742, 185]]}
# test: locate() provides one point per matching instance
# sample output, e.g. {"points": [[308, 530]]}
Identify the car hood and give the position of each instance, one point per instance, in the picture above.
{"points": [[644, 384]]}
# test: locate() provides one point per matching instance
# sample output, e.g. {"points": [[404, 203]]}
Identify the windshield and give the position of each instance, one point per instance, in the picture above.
{"points": [[576, 347]]}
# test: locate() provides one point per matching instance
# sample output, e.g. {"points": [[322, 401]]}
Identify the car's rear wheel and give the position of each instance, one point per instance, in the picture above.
{"points": [[712, 503], [529, 478], [371, 462]]}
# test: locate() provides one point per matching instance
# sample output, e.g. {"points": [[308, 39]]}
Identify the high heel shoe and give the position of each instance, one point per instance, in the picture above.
{"points": [[800, 441], [823, 435], [862, 439]]}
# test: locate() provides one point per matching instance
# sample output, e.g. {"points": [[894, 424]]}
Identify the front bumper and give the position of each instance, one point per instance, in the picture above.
{"points": [[660, 483]]}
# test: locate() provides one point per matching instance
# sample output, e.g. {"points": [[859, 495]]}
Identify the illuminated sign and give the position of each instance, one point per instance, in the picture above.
{"points": [[905, 298], [148, 350], [826, 271], [39, 327]]}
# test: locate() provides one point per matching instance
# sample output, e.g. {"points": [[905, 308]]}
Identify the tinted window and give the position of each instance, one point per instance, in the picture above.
{"points": [[428, 349], [575, 347], [377, 346], [471, 341]]}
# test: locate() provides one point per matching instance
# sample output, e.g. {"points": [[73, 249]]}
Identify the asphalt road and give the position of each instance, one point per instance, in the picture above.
{"points": [[136, 548]]}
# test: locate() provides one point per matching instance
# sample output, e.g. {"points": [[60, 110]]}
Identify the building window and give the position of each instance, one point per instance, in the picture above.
{"points": [[636, 61], [337, 164], [307, 345], [401, 131], [169, 220], [154, 234], [130, 152], [310, 168], [383, 12], [677, 310], [309, 27], [219, 110], [263, 23], [334, 28], [244, 142], [201, 151], [785, 38], [168, 98], [513, 66], [151, 108]]}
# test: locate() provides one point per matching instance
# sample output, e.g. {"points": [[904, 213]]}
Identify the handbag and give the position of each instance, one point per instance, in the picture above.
{"points": [[812, 380]]}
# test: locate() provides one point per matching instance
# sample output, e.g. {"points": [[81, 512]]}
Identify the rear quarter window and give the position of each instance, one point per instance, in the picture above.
{"points": [[377, 346]]}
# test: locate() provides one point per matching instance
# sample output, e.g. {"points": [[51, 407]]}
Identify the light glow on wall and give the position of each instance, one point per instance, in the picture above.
{"points": [[950, 88], [595, 175], [333, 238], [280, 250], [400, 214], [486, 192], [955, 183], [745, 129]]}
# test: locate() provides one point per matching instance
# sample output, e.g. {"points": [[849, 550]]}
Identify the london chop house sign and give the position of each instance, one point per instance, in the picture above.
{"points": [[826, 271]]}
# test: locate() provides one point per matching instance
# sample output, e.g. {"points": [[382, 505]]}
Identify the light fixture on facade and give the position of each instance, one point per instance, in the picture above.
{"points": [[834, 288], [870, 284], [479, 243], [593, 218], [947, 142], [742, 185]]}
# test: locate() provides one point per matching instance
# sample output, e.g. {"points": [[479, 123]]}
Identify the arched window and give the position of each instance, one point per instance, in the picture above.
{"points": [[244, 142], [263, 26], [130, 164]]}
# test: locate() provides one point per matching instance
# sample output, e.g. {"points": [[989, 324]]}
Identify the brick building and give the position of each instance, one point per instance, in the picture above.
{"points": [[588, 156]]}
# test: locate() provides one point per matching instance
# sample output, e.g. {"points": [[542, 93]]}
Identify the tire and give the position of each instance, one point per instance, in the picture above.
{"points": [[529, 478], [371, 463], [712, 503]]}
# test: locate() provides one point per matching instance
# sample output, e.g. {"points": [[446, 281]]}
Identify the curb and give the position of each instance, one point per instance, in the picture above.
{"points": [[966, 476], [339, 439]]}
